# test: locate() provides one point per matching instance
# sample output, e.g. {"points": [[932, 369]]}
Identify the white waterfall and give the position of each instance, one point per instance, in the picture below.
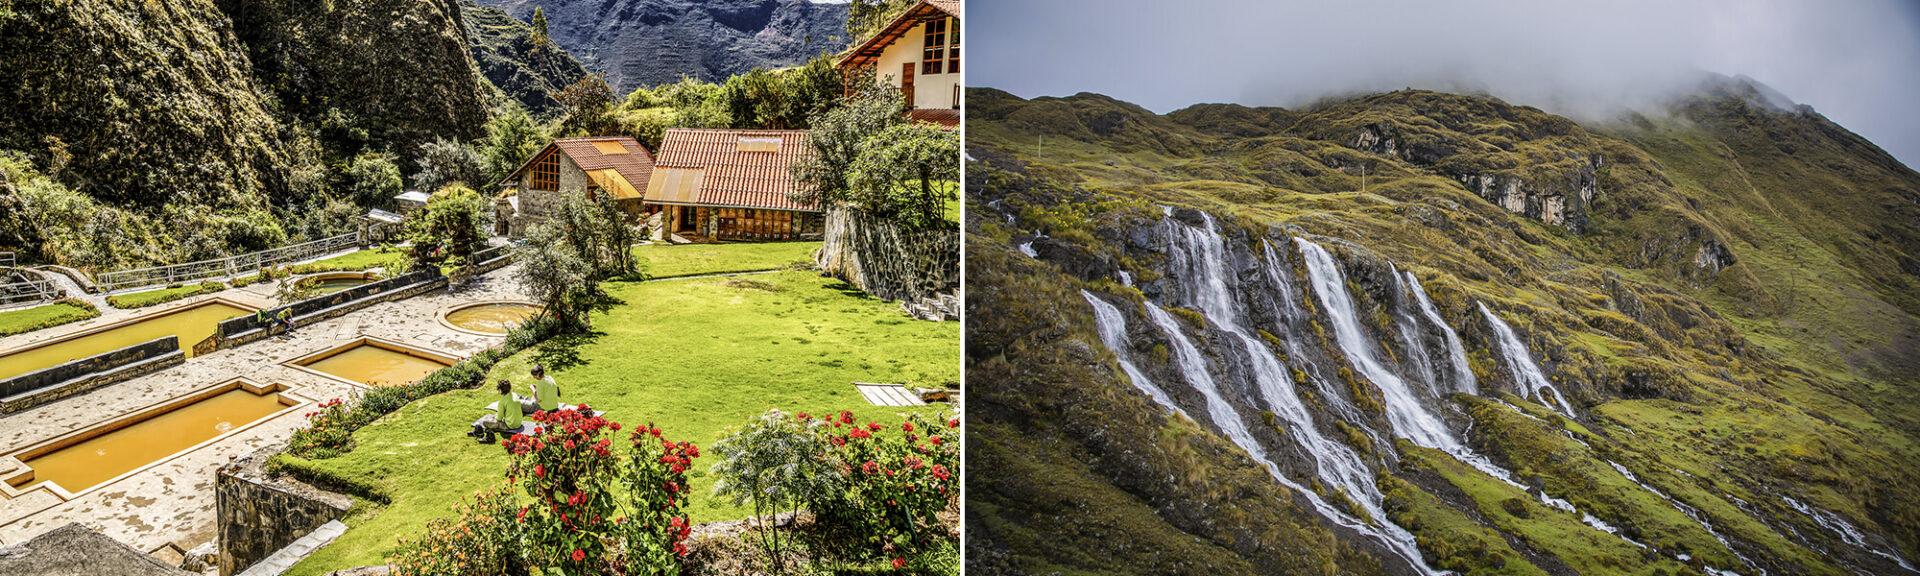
{"points": [[1408, 415], [1278, 272], [1520, 363], [1692, 514], [1456, 353], [1113, 332], [1195, 260], [1845, 529]]}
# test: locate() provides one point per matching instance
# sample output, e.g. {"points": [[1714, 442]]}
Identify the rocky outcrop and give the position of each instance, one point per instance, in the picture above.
{"points": [[639, 43], [920, 268], [523, 67], [392, 71]]}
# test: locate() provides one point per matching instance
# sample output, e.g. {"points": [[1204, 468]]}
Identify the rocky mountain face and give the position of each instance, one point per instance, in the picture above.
{"points": [[639, 43], [1529, 346], [511, 58]]}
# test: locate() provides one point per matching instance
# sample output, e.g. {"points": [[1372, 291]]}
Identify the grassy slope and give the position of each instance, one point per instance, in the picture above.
{"points": [[693, 356], [1779, 409], [161, 296], [43, 316]]}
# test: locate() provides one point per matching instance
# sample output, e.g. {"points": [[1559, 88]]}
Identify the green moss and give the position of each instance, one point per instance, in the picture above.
{"points": [[1449, 538], [1192, 317]]}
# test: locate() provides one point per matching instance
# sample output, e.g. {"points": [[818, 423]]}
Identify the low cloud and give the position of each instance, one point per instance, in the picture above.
{"points": [[1857, 62]]}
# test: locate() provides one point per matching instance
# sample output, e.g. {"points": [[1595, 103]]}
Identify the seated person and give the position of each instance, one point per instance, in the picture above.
{"points": [[508, 418], [546, 392], [286, 318]]}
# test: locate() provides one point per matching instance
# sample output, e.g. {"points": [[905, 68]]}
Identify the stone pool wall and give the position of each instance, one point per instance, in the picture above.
{"points": [[244, 329], [83, 375], [257, 515]]}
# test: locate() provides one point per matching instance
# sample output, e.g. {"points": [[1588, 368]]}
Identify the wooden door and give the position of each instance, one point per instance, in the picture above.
{"points": [[906, 83]]}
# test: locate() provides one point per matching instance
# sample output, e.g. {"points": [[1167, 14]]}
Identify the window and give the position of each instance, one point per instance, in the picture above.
{"points": [[953, 48], [935, 56], [759, 144], [610, 148], [546, 172]]}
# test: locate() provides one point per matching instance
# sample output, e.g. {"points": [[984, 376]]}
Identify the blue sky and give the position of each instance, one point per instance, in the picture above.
{"points": [[1855, 61]]}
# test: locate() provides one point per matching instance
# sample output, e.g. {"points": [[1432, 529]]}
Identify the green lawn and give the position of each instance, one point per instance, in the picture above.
{"points": [[392, 259], [694, 356], [668, 260], [44, 316], [163, 295]]}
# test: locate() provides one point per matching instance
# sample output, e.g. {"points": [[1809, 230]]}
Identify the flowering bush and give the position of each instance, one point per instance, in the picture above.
{"points": [[576, 520], [480, 541], [327, 433], [656, 527], [898, 477]]}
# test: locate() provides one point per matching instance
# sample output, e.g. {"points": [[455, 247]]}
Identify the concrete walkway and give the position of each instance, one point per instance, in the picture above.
{"points": [[173, 502]]}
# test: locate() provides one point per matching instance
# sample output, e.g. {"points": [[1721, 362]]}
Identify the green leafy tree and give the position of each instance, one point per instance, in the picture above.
{"points": [[539, 23], [443, 162], [868, 156], [450, 228], [373, 178], [512, 139], [551, 272]]}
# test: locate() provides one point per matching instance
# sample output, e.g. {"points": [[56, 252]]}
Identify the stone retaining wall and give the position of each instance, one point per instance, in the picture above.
{"points": [[244, 329], [83, 375], [920, 268], [257, 515]]}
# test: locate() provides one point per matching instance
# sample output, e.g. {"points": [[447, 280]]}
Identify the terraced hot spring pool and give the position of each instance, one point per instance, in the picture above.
{"points": [[376, 366], [190, 324], [148, 438], [491, 318]]}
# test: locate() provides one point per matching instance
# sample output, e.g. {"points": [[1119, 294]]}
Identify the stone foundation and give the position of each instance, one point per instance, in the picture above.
{"points": [[258, 515], [920, 268]]}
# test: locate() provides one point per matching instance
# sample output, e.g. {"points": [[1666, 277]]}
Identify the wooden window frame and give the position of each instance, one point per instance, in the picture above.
{"points": [[933, 48], [549, 167], [953, 47]]}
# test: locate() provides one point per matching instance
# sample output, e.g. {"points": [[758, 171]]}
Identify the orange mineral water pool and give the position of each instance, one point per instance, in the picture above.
{"points": [[190, 324], [88, 463], [375, 366], [491, 318]]}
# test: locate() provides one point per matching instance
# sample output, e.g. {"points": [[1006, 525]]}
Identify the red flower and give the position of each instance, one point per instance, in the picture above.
{"points": [[579, 554], [908, 426], [874, 426], [899, 563], [858, 433], [954, 423], [522, 515], [934, 439], [940, 472], [680, 548], [540, 470]]}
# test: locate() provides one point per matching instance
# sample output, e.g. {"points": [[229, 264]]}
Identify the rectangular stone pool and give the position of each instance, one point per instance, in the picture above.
{"points": [[94, 456], [371, 362], [191, 324]]}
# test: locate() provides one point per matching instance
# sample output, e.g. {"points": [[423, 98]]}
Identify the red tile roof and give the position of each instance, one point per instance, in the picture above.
{"points": [[870, 50], [947, 118], [728, 176], [636, 165]]}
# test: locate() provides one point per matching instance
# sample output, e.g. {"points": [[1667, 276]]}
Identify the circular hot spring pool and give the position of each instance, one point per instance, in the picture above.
{"points": [[494, 318]]}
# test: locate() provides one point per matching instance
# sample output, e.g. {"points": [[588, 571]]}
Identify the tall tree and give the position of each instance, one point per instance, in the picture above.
{"points": [[539, 23]]}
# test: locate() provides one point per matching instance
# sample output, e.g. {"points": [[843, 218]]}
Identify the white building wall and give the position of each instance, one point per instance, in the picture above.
{"points": [[929, 91]]}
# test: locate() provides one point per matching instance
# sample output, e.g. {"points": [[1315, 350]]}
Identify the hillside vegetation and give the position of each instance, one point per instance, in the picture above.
{"points": [[1724, 292]]}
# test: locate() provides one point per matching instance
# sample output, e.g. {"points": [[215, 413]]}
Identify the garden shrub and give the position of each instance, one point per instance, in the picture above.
{"points": [[897, 478], [774, 463], [326, 434], [479, 541]]}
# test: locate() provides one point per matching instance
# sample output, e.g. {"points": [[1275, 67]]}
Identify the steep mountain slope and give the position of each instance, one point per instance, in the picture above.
{"points": [[1674, 344], [513, 60], [639, 43]]}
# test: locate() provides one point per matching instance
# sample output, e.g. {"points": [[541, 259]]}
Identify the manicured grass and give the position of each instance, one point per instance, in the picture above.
{"points": [[669, 261], [164, 295], [45, 316], [692, 356], [391, 259]]}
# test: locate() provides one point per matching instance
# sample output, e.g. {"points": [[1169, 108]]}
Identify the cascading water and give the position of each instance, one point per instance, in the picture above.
{"points": [[1520, 362], [1113, 332], [1291, 316], [1845, 529], [1456, 353], [1195, 258], [1692, 514], [1408, 415]]}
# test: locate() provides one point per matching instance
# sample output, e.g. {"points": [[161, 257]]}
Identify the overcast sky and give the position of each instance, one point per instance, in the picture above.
{"points": [[1855, 61]]}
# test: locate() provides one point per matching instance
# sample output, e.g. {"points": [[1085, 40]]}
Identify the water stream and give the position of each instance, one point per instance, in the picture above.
{"points": [[1520, 362]]}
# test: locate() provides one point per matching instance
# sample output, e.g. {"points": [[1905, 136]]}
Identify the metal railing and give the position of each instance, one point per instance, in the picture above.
{"points": [[221, 267], [17, 286]]}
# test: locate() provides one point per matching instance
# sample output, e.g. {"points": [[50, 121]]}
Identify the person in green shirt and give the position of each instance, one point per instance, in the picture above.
{"points": [[286, 319], [546, 393], [508, 417]]}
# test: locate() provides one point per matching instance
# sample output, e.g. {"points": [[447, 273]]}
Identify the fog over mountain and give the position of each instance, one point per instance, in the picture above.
{"points": [[1857, 62]]}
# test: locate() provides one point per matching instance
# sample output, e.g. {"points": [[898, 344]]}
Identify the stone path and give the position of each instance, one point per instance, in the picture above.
{"points": [[173, 502], [279, 562]]}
